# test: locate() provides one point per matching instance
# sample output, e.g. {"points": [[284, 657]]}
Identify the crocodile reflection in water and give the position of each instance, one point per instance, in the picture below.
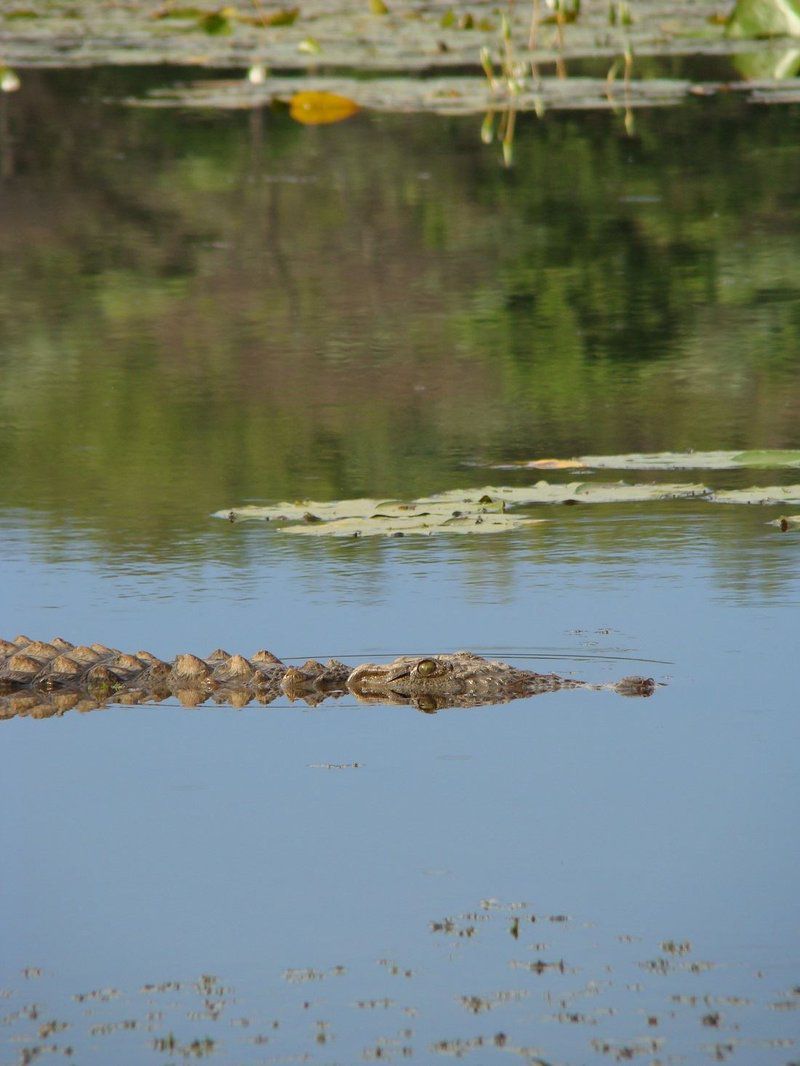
{"points": [[43, 679]]}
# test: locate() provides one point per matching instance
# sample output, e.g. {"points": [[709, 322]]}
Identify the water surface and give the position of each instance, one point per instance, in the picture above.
{"points": [[203, 311]]}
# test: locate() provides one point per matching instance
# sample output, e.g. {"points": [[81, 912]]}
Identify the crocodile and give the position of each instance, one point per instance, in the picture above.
{"points": [[42, 679]]}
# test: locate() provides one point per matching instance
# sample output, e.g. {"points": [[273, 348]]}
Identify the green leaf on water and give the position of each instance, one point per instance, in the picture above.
{"points": [[776, 64], [217, 23], [765, 18], [768, 457]]}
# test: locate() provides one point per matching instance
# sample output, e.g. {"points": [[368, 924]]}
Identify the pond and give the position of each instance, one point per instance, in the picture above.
{"points": [[204, 310]]}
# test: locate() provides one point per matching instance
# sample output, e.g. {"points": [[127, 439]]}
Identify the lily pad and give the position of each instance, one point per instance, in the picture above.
{"points": [[765, 18], [579, 491], [768, 457], [388, 517], [717, 460], [297, 510], [426, 523], [760, 495], [479, 510]]}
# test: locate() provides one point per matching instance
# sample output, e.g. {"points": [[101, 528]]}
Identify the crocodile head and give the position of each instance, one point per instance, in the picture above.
{"points": [[433, 681], [406, 676]]}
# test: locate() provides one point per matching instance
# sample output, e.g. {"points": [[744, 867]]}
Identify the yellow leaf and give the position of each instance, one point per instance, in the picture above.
{"points": [[556, 464], [318, 108]]}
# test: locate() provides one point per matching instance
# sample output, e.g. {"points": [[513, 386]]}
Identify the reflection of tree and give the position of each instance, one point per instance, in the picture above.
{"points": [[283, 311]]}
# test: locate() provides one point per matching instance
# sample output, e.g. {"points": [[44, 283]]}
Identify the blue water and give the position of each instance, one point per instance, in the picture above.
{"points": [[160, 843]]}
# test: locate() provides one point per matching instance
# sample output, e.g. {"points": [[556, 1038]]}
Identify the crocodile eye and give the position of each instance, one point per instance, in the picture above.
{"points": [[426, 667]]}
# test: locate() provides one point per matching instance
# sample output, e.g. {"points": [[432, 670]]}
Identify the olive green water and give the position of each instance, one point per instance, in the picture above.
{"points": [[198, 311], [202, 309]]}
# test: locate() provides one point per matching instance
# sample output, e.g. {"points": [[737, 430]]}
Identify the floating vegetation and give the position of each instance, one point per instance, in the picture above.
{"points": [[99, 995], [586, 998], [408, 35], [764, 18], [359, 518], [194, 1049], [691, 460], [479, 510], [395, 969], [462, 95], [484, 510], [540, 966], [623, 1052], [335, 765], [321, 108], [673, 947], [306, 976], [760, 494]]}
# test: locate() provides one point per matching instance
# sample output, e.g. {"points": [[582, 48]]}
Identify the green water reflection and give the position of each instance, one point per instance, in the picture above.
{"points": [[197, 311]]}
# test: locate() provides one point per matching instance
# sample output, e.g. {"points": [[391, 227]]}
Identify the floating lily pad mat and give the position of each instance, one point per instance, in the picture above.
{"points": [[481, 510], [364, 517], [424, 523], [464, 95], [343, 34], [765, 457]]}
